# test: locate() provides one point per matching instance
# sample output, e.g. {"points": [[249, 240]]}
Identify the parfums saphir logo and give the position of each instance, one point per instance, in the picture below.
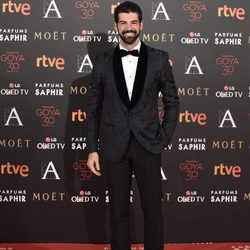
{"points": [[13, 35]]}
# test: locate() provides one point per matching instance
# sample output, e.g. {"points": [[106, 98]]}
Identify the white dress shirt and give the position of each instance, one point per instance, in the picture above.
{"points": [[129, 64]]}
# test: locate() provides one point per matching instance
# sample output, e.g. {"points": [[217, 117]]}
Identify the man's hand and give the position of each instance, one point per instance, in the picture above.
{"points": [[93, 163]]}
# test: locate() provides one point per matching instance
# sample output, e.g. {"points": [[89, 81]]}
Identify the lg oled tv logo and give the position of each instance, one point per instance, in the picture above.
{"points": [[191, 197], [50, 144], [85, 196], [87, 36], [194, 38], [229, 92], [14, 89]]}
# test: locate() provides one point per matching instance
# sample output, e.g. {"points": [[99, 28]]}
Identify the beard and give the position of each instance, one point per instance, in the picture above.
{"points": [[129, 39]]}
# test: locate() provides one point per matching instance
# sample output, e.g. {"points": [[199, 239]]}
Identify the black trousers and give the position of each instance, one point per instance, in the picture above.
{"points": [[147, 171]]}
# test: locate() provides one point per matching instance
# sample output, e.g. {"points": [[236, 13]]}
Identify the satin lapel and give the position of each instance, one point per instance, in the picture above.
{"points": [[140, 76], [120, 78]]}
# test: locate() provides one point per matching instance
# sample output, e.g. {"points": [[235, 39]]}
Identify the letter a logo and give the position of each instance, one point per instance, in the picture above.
{"points": [[227, 120], [50, 10], [193, 66], [85, 64], [12, 118], [50, 172], [164, 178], [159, 12]]}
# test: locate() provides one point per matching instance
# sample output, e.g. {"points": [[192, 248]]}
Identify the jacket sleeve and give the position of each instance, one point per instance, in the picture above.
{"points": [[170, 100], [94, 106]]}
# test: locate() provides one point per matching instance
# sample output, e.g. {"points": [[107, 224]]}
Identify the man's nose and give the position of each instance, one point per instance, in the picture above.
{"points": [[129, 26]]}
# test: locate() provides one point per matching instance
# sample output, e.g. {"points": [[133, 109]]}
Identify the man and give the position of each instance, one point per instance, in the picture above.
{"points": [[122, 111]]}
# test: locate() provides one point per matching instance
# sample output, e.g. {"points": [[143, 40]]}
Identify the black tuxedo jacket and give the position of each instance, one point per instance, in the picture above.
{"points": [[111, 116]]}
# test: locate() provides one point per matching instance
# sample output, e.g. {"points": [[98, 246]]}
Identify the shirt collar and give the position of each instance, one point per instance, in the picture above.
{"points": [[137, 47]]}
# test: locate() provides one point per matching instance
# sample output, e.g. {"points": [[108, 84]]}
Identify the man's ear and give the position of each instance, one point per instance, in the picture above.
{"points": [[115, 26], [141, 27]]}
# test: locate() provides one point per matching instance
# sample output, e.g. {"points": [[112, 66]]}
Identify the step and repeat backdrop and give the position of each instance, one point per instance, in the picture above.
{"points": [[47, 49]]}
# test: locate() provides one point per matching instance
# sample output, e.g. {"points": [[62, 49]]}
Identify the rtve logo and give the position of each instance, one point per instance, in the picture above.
{"points": [[224, 170], [11, 8], [78, 116], [239, 13], [11, 169], [48, 62], [188, 117]]}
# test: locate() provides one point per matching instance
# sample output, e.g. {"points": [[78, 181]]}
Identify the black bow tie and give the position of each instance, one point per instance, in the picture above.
{"points": [[129, 52]]}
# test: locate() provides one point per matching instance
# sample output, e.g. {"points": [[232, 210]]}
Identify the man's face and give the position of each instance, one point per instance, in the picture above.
{"points": [[129, 27]]}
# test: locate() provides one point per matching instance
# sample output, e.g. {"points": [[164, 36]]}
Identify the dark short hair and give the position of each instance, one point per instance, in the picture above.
{"points": [[127, 7]]}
